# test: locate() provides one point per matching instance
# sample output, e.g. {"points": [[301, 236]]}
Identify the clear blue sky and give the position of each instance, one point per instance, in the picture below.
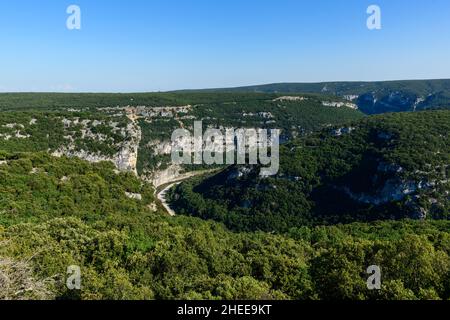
{"points": [[151, 45]]}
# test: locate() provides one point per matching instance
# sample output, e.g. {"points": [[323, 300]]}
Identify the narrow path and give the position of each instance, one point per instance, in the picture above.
{"points": [[162, 197], [161, 191]]}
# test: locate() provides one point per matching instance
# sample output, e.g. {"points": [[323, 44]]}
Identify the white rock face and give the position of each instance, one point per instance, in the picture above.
{"points": [[170, 174], [341, 131], [17, 135], [336, 104], [151, 112], [134, 196], [417, 102], [289, 98], [351, 97], [82, 154], [399, 188], [14, 125], [161, 147], [15, 132], [393, 190], [125, 159]]}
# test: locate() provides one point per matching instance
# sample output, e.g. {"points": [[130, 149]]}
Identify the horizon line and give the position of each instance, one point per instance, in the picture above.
{"points": [[225, 87]]}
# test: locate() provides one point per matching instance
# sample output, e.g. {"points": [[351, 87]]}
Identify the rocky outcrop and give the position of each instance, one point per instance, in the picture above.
{"points": [[399, 187], [393, 190], [336, 104], [341, 131], [125, 159], [134, 196], [239, 172], [159, 178], [161, 147], [290, 98], [14, 130]]}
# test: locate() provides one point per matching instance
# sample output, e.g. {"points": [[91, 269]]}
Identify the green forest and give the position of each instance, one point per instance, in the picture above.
{"points": [[385, 167], [70, 212], [371, 97], [352, 191]]}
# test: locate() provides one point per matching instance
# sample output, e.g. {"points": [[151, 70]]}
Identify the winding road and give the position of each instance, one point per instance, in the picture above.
{"points": [[161, 195], [162, 190]]}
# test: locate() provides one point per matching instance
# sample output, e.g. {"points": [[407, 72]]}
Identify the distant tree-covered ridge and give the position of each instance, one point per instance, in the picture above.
{"points": [[380, 168], [371, 97], [63, 101]]}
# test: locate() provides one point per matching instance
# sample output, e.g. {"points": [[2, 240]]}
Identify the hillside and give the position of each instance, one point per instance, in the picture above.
{"points": [[133, 130], [57, 212], [371, 97], [273, 238], [380, 168]]}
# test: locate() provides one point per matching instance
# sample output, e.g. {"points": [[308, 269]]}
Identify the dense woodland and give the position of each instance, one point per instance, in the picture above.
{"points": [[38, 119], [385, 167], [69, 212], [371, 97], [291, 236], [45, 131], [58, 101]]}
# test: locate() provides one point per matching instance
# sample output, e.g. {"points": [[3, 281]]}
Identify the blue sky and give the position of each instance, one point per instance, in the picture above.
{"points": [[153, 45]]}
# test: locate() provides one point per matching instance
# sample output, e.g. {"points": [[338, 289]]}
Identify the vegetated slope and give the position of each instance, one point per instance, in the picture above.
{"points": [[63, 101], [50, 131], [94, 136], [371, 97], [58, 101], [59, 212], [294, 116], [36, 187], [383, 167], [134, 130]]}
